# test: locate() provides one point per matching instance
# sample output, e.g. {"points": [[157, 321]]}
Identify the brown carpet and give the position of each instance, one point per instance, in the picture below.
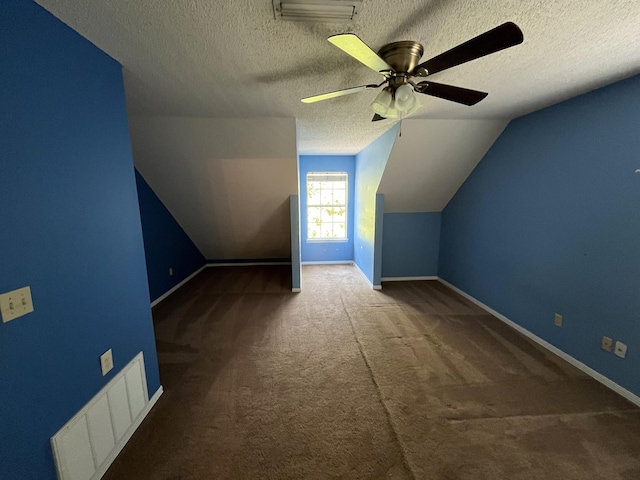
{"points": [[340, 381]]}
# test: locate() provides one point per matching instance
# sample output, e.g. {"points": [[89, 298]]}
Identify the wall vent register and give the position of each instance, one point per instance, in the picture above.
{"points": [[86, 445]]}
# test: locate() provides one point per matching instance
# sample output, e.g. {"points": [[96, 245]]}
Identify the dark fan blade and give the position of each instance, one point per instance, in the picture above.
{"points": [[352, 45], [377, 118], [449, 92], [505, 36], [337, 93]]}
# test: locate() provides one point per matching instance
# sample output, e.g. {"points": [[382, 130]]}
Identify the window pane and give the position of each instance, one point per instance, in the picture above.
{"points": [[337, 214], [312, 230], [326, 197], [314, 198], [326, 205], [326, 215]]}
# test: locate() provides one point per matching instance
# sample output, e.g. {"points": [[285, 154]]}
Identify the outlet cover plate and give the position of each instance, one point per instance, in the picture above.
{"points": [[16, 303], [106, 362], [621, 349], [607, 344], [557, 320]]}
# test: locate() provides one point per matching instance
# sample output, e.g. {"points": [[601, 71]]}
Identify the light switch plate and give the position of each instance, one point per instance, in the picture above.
{"points": [[620, 350], [16, 303]]}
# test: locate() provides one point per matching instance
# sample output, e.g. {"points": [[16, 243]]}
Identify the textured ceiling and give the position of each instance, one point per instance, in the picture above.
{"points": [[227, 59]]}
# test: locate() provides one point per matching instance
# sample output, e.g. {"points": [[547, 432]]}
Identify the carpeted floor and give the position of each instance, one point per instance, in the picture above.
{"points": [[340, 381]]}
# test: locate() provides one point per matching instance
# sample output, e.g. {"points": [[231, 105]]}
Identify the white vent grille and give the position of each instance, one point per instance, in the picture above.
{"points": [[84, 448], [316, 10]]}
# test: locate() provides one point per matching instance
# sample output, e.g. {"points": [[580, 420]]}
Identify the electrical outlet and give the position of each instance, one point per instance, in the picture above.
{"points": [[621, 349], [15, 304], [171, 271], [106, 362], [557, 320], [607, 344]]}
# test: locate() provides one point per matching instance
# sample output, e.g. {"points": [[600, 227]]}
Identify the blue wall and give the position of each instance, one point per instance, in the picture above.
{"points": [[377, 241], [315, 251], [370, 164], [71, 231], [410, 244], [549, 221], [166, 245]]}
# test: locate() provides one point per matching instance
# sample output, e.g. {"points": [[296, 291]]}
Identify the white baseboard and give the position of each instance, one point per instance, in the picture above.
{"points": [[242, 264], [632, 397], [169, 292], [408, 279], [374, 287], [152, 401], [329, 262]]}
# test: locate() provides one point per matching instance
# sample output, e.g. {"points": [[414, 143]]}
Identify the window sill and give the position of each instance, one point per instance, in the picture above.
{"points": [[327, 240]]}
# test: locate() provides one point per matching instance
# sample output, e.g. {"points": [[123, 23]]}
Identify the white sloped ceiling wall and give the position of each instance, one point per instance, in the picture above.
{"points": [[431, 159], [226, 181]]}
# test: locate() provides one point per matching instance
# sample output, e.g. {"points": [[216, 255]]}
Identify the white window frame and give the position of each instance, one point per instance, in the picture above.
{"points": [[321, 205]]}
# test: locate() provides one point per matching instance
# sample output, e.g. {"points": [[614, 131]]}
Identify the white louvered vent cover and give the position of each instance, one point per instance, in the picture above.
{"points": [[84, 448]]}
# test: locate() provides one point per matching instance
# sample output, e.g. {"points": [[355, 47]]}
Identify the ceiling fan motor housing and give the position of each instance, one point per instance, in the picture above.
{"points": [[402, 56]]}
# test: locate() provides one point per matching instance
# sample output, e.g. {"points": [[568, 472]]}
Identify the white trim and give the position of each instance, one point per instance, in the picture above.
{"points": [[632, 397], [127, 436], [242, 264], [329, 262], [374, 287], [327, 240], [408, 279], [169, 292], [344, 175], [296, 290]]}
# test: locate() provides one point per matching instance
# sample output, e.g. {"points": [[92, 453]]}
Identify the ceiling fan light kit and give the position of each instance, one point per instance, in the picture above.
{"points": [[404, 98], [398, 63], [395, 105], [382, 102]]}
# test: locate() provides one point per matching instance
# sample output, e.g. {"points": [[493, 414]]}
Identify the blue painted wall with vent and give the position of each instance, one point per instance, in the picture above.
{"points": [[71, 231]]}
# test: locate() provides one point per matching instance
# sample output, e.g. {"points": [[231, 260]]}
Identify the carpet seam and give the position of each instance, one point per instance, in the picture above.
{"points": [[405, 457]]}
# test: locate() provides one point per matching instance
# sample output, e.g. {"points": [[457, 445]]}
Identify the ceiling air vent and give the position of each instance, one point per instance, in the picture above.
{"points": [[316, 10]]}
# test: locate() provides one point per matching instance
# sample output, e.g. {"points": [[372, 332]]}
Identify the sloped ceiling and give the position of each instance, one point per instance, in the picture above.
{"points": [[226, 181], [431, 159]]}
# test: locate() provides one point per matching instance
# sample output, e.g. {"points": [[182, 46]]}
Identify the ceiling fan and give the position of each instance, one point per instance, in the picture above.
{"points": [[398, 63]]}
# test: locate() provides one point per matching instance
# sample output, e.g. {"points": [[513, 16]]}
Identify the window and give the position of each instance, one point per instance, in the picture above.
{"points": [[326, 206]]}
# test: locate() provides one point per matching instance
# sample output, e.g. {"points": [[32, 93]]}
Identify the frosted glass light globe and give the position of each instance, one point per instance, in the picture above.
{"points": [[404, 98], [382, 102]]}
